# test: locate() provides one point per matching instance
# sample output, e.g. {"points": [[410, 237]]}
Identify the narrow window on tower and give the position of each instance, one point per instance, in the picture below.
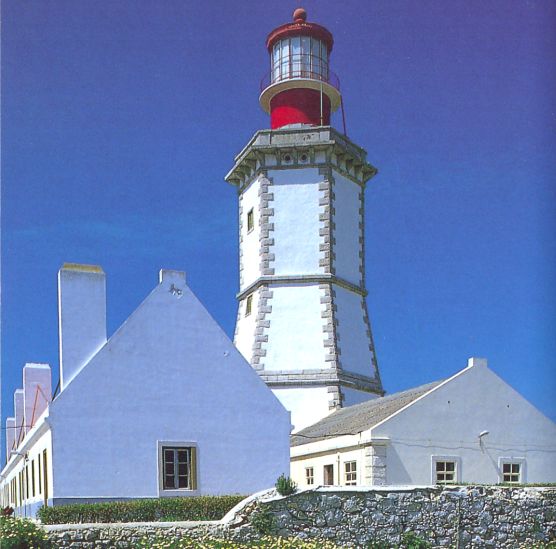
{"points": [[250, 220], [248, 305]]}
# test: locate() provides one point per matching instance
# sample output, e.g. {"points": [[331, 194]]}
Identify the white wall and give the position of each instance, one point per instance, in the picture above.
{"points": [[19, 414], [27, 459], [448, 421], [81, 316], [245, 327], [337, 459], [37, 391], [307, 404], [250, 245], [296, 221], [169, 373], [295, 336], [347, 232], [352, 331]]}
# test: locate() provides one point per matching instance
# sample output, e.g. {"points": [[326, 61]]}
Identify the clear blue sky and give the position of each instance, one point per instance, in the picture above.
{"points": [[120, 119]]}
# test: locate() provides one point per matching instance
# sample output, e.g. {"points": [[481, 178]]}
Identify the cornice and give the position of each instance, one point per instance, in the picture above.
{"points": [[301, 279], [340, 153]]}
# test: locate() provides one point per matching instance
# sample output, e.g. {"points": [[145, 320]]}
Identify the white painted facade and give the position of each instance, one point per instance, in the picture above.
{"points": [[302, 265], [473, 419], [167, 378]]}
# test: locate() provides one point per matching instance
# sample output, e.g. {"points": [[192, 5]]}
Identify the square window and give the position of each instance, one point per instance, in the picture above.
{"points": [[511, 472], [350, 473], [248, 305], [309, 475], [250, 220], [445, 472], [178, 468]]}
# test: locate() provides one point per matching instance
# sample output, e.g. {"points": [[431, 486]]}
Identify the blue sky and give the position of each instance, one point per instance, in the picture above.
{"points": [[120, 120]]}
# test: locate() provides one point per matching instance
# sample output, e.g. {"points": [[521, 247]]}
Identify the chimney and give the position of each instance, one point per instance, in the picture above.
{"points": [[37, 391], [477, 362], [19, 416], [10, 436], [81, 316]]}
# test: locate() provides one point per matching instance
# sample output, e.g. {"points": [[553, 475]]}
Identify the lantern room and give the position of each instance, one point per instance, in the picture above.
{"points": [[300, 88]]}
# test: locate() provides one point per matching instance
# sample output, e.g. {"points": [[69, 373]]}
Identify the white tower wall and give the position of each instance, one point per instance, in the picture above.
{"points": [[302, 267], [250, 239], [81, 317], [300, 349], [296, 213], [348, 220]]}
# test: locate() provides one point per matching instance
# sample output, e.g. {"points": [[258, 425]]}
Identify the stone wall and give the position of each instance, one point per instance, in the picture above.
{"points": [[470, 516]]}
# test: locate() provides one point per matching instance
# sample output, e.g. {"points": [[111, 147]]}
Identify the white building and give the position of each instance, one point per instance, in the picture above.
{"points": [[471, 427], [165, 407]]}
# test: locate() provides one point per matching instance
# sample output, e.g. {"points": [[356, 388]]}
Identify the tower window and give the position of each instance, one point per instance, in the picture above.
{"points": [[309, 475], [250, 220], [248, 305]]}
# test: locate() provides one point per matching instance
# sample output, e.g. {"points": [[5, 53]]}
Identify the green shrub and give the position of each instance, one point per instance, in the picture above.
{"points": [[141, 510], [18, 533], [285, 486], [263, 521], [410, 540]]}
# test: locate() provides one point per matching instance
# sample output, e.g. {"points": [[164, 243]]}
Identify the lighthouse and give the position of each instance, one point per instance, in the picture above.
{"points": [[302, 319]]}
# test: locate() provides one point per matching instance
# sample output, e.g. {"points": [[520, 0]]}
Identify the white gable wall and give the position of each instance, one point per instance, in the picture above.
{"points": [[447, 422], [168, 374]]}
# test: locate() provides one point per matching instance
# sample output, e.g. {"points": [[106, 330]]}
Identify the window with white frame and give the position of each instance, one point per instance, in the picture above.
{"points": [[178, 468], [350, 473], [445, 470], [511, 472], [309, 475]]}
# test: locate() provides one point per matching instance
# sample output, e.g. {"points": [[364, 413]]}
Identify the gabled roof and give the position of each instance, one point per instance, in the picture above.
{"points": [[359, 417]]}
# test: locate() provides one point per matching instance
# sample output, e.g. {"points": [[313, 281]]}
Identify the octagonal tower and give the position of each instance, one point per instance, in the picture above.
{"points": [[302, 317]]}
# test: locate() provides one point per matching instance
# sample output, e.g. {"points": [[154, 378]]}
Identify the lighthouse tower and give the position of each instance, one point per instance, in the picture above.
{"points": [[302, 317]]}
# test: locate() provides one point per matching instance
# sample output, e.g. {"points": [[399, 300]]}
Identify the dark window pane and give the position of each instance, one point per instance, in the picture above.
{"points": [[169, 481], [168, 455], [182, 469], [183, 481], [182, 456], [169, 469], [450, 466], [506, 467]]}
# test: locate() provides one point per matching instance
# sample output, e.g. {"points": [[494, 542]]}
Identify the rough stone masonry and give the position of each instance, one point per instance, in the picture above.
{"points": [[456, 517]]}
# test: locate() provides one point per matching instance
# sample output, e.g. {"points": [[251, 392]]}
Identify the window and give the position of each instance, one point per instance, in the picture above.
{"points": [[328, 475], [248, 305], [511, 473], [33, 478], [178, 468], [351, 473], [45, 476], [445, 472], [39, 472], [250, 220], [310, 475]]}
